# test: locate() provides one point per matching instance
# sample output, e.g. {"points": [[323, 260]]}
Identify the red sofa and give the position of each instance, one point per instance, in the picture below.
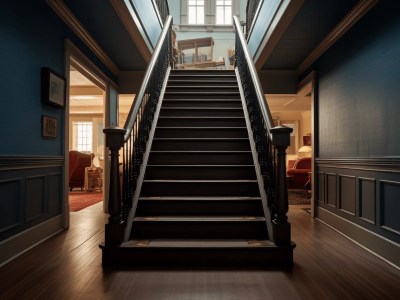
{"points": [[78, 161], [297, 176]]}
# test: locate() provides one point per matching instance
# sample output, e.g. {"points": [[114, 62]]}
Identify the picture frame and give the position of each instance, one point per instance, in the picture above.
{"points": [[53, 88], [49, 127]]}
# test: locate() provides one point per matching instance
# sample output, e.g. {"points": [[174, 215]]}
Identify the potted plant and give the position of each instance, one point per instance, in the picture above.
{"points": [[231, 56]]}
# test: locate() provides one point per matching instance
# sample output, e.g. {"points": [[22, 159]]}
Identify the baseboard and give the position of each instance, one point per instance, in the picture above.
{"points": [[18, 244], [377, 245]]}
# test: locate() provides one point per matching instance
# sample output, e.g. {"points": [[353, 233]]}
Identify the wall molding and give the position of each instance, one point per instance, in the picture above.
{"points": [[135, 29], [20, 243], [337, 32], [29, 162], [377, 164], [370, 241], [61, 9]]}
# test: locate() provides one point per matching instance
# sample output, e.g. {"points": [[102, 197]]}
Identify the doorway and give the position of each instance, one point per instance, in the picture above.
{"points": [[85, 141], [296, 111]]}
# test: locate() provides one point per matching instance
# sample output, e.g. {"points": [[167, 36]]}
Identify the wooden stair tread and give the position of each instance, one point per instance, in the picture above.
{"points": [[201, 139], [202, 86], [203, 198], [203, 166], [199, 117], [201, 151], [202, 92], [199, 219], [199, 243], [200, 128], [199, 180], [202, 108], [203, 100]]}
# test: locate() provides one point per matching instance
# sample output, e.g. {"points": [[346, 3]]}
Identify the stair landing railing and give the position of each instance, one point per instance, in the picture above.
{"points": [[270, 142], [133, 138]]}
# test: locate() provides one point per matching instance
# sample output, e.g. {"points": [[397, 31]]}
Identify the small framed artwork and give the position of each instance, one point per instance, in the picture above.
{"points": [[49, 127], [53, 88]]}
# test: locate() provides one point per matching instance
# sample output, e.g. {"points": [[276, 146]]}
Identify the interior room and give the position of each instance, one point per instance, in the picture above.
{"points": [[86, 142]]}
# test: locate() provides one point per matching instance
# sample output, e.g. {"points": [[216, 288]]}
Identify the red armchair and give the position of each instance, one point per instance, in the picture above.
{"points": [[78, 161], [297, 176]]}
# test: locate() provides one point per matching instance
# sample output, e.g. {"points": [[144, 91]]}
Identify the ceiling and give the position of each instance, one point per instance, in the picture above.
{"points": [[315, 19], [103, 23], [101, 20], [87, 98], [288, 102]]}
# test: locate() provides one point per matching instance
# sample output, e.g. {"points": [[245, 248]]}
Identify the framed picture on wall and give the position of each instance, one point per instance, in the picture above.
{"points": [[49, 127], [53, 88]]}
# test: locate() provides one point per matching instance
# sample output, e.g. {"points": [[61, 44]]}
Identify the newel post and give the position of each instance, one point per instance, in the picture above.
{"points": [[114, 230], [281, 227]]}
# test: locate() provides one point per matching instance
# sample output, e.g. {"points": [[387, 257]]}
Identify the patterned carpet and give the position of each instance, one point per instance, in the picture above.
{"points": [[79, 200], [297, 197]]}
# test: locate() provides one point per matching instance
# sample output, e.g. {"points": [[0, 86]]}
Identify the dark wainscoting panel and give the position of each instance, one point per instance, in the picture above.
{"points": [[331, 189], [31, 192], [390, 205], [367, 199], [55, 186], [347, 194], [363, 191], [35, 199], [321, 187], [10, 196]]}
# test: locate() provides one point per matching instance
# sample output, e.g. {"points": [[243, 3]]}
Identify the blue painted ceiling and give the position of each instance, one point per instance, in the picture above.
{"points": [[104, 24], [313, 22]]}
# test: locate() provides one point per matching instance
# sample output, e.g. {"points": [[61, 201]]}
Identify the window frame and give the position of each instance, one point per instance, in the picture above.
{"points": [[224, 6], [196, 6], [87, 136]]}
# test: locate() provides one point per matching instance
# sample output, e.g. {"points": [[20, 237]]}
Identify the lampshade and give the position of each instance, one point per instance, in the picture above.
{"points": [[304, 151]]}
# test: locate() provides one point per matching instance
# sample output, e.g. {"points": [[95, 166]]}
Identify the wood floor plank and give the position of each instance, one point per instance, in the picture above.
{"points": [[326, 266]]}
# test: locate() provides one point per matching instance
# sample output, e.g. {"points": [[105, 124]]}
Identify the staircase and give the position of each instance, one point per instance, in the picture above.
{"points": [[200, 203]]}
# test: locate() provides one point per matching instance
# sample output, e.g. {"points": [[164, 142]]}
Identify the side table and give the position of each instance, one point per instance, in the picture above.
{"points": [[93, 178]]}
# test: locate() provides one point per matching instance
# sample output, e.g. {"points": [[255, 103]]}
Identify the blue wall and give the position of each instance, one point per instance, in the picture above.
{"points": [[359, 88], [358, 151], [32, 36], [31, 185]]}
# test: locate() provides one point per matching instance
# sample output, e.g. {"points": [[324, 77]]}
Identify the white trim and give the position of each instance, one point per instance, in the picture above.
{"points": [[260, 180], [73, 23], [146, 155], [75, 57], [340, 29], [377, 245], [132, 24], [22, 242]]}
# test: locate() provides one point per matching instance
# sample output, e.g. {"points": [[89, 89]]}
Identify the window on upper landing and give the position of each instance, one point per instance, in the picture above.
{"points": [[196, 11], [223, 12]]}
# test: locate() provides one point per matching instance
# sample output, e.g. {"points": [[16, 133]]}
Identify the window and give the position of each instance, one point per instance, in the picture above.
{"points": [[196, 11], [224, 12], [83, 136]]}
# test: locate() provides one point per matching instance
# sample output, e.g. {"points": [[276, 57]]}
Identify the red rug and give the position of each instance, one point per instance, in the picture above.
{"points": [[80, 200]]}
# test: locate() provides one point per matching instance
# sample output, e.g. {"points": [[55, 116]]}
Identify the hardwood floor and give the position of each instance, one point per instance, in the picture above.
{"points": [[327, 266]]}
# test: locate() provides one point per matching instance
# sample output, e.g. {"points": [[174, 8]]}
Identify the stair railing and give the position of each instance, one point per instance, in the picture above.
{"points": [[270, 142], [163, 9], [133, 138]]}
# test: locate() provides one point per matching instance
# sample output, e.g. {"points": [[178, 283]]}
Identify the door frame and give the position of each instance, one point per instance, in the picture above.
{"points": [[308, 86], [75, 57]]}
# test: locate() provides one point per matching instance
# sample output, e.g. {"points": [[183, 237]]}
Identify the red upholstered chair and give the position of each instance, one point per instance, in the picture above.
{"points": [[297, 176], [78, 161]]}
